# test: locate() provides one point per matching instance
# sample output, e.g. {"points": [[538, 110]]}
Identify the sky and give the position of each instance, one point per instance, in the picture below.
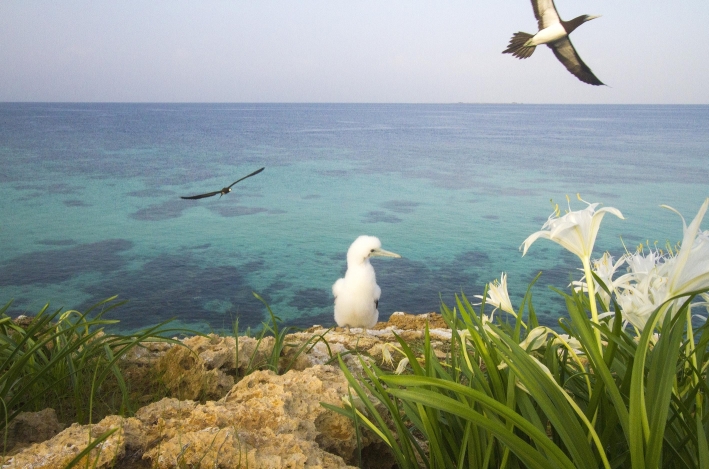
{"points": [[345, 51]]}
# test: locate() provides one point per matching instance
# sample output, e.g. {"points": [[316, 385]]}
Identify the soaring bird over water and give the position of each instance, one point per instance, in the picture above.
{"points": [[225, 190], [357, 294], [554, 32]]}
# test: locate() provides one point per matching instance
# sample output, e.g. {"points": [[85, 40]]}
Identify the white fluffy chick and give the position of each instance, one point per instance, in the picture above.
{"points": [[357, 294]]}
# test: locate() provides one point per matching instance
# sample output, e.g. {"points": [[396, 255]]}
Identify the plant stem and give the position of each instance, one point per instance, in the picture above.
{"points": [[592, 298], [690, 352]]}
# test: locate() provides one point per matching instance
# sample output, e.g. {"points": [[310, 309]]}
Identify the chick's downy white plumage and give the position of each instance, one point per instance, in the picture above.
{"points": [[357, 294]]}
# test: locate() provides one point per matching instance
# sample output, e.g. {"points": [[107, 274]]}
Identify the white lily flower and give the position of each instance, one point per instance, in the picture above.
{"points": [[497, 295], [637, 305], [640, 263], [538, 337], [575, 231], [644, 288], [690, 267], [653, 279], [386, 350], [605, 268], [386, 354], [569, 342], [402, 366], [535, 339], [487, 320], [464, 334]]}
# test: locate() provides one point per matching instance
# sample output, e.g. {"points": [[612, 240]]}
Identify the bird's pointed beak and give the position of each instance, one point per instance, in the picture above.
{"points": [[592, 17], [382, 253]]}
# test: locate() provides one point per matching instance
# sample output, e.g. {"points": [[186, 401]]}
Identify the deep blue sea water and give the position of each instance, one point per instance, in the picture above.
{"points": [[90, 207]]}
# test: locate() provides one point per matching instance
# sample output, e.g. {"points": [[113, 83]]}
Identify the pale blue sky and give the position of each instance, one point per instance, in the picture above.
{"points": [[345, 51]]}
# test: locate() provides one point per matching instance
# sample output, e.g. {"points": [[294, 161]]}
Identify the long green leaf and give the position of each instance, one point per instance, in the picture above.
{"points": [[402, 452], [661, 378], [551, 399], [523, 450], [539, 437], [597, 362]]}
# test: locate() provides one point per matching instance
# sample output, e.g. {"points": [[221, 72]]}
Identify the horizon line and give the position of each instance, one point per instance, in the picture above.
{"points": [[511, 103]]}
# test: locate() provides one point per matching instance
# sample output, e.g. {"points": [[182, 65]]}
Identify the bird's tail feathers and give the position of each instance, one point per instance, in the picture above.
{"points": [[517, 46]]}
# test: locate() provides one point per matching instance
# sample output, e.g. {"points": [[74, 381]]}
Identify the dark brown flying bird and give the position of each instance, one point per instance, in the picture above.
{"points": [[225, 190], [554, 32]]}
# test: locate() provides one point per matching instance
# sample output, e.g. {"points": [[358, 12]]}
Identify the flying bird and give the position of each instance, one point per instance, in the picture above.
{"points": [[225, 190], [357, 294], [554, 32]]}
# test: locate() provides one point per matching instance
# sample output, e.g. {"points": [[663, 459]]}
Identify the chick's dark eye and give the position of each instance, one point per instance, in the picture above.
{"points": [[372, 250]]}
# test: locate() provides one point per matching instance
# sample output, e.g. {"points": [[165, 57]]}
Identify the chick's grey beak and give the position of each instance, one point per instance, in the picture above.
{"points": [[383, 253]]}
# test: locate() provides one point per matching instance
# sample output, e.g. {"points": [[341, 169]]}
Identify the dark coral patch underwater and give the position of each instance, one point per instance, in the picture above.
{"points": [[178, 287], [59, 265], [378, 216]]}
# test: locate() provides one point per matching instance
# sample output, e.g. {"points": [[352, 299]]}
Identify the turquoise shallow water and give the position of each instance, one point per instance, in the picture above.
{"points": [[90, 207]]}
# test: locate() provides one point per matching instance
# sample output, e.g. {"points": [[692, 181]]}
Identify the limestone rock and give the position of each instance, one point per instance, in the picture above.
{"points": [[62, 448], [265, 420], [189, 372], [253, 353], [379, 343], [30, 427], [417, 322], [205, 367], [269, 420]]}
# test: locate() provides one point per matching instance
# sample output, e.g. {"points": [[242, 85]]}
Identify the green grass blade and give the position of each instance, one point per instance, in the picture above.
{"points": [[588, 340], [523, 450], [639, 428], [551, 399], [661, 379], [702, 444], [94, 443]]}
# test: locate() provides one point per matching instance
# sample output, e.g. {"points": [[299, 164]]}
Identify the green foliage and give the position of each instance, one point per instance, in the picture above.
{"points": [[274, 360], [65, 360], [518, 395]]}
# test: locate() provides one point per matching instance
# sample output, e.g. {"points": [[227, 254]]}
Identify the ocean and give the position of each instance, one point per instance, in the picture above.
{"points": [[90, 201]]}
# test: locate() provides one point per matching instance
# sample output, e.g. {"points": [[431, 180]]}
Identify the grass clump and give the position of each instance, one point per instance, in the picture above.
{"points": [[274, 359], [67, 361]]}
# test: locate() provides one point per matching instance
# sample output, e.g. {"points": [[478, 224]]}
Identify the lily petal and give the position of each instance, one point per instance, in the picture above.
{"points": [[690, 270], [575, 231]]}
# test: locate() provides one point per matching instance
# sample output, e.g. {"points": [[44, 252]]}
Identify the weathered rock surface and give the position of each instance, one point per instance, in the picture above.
{"points": [[30, 427], [265, 420], [60, 450]]}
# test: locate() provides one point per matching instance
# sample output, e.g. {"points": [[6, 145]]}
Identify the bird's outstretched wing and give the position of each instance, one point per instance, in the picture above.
{"points": [[545, 13], [223, 191], [202, 196], [567, 55], [248, 176]]}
